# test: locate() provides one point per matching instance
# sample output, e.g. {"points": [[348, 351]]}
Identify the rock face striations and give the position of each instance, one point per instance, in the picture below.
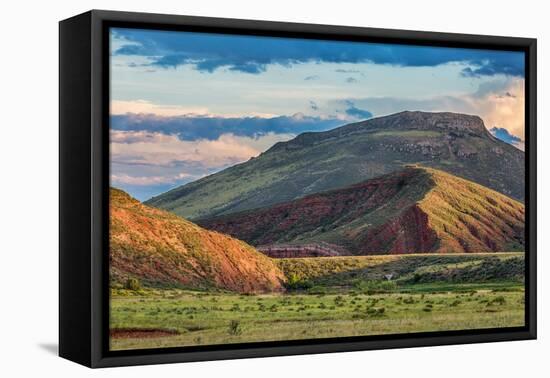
{"points": [[316, 162], [414, 210]]}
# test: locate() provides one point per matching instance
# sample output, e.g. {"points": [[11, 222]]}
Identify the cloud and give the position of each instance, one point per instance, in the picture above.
{"points": [[312, 77], [357, 113], [119, 107], [250, 54], [157, 149], [124, 179], [148, 163], [341, 70], [505, 136], [195, 127], [488, 102]]}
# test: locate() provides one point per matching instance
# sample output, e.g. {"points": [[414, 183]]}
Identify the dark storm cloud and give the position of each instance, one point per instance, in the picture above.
{"points": [[249, 54], [197, 127]]}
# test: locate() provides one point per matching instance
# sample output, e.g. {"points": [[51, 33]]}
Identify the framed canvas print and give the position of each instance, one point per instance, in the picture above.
{"points": [[233, 188]]}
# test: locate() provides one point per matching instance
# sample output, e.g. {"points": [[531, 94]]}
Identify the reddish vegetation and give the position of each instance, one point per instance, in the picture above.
{"points": [[415, 210], [158, 247]]}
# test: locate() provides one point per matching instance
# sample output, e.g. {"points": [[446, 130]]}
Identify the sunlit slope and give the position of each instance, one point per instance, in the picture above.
{"points": [[414, 210], [161, 248]]}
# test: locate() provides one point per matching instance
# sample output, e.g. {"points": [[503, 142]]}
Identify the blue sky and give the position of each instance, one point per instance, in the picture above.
{"points": [[184, 105]]}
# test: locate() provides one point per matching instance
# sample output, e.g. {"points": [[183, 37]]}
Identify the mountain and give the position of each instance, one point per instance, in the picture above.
{"points": [[161, 248], [414, 210], [314, 162]]}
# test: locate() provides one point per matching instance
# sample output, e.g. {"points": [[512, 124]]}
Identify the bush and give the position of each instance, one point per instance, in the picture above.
{"points": [[374, 287], [500, 300], [132, 284], [374, 312], [409, 300], [235, 328], [295, 282]]}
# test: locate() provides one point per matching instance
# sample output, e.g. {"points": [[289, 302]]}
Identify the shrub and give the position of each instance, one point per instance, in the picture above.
{"points": [[374, 287], [132, 284], [374, 312], [295, 282], [235, 307], [500, 300], [409, 300], [235, 328], [339, 300]]}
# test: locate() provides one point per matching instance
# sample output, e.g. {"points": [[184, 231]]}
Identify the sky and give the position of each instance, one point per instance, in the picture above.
{"points": [[185, 105]]}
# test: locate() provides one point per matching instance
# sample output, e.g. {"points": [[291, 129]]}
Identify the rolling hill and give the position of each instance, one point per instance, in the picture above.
{"points": [[160, 248], [414, 210], [315, 162]]}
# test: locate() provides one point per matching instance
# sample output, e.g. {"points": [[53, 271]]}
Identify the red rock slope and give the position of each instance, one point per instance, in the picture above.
{"points": [[160, 248], [414, 210]]}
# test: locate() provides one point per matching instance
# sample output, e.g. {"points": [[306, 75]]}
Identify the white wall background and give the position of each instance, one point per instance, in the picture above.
{"points": [[29, 187]]}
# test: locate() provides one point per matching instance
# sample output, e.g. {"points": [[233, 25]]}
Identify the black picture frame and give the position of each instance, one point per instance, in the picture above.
{"points": [[84, 192]]}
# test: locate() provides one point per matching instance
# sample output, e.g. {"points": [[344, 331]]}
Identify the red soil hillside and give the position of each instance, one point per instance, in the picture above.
{"points": [[414, 210], [161, 248]]}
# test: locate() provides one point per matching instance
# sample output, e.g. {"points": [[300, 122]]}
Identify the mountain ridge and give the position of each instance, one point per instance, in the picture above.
{"points": [[416, 210]]}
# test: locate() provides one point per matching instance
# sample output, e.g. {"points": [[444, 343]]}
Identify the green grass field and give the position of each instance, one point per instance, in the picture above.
{"points": [[331, 297]]}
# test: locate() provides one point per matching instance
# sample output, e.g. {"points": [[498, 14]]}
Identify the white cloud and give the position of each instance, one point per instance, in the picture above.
{"points": [[119, 107], [125, 179], [500, 103], [147, 107], [163, 154]]}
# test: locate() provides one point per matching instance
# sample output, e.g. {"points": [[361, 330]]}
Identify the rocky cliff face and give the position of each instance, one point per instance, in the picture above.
{"points": [[450, 123], [415, 210], [315, 162]]}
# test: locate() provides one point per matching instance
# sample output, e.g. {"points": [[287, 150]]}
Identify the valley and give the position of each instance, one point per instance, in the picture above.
{"points": [[331, 297]]}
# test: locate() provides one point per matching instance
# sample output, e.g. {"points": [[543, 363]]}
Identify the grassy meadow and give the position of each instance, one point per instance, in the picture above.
{"points": [[330, 297]]}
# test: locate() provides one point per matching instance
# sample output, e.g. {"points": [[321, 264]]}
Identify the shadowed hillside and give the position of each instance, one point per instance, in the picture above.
{"points": [[319, 161], [161, 248], [414, 210]]}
